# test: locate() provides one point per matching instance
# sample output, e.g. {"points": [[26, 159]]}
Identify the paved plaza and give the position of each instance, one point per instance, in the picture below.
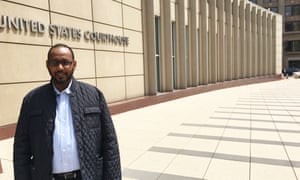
{"points": [[248, 132]]}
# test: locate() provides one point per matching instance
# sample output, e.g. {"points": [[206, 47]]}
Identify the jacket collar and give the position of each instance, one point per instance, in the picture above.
{"points": [[73, 88]]}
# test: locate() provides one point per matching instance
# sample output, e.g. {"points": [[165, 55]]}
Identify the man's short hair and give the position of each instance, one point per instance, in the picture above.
{"points": [[61, 45]]}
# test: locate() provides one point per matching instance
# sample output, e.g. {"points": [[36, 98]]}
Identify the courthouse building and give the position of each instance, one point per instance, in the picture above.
{"points": [[132, 49], [290, 11]]}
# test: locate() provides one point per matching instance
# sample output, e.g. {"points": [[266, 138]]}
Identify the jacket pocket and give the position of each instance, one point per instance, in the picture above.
{"points": [[92, 117]]}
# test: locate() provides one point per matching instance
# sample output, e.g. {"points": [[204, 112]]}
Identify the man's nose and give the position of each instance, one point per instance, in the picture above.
{"points": [[60, 66]]}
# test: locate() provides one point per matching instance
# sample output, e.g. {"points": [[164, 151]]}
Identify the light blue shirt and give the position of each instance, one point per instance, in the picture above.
{"points": [[65, 158]]}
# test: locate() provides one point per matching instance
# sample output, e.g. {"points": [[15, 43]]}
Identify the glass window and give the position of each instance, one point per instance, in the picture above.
{"points": [[274, 9], [292, 45], [157, 50], [270, 1], [288, 10], [296, 45], [295, 10], [292, 10], [292, 26], [174, 52]]}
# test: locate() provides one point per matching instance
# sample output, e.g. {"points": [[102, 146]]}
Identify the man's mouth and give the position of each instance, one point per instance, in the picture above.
{"points": [[60, 74]]}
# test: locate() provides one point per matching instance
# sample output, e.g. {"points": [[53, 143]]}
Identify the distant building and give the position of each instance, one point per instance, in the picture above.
{"points": [[290, 9]]}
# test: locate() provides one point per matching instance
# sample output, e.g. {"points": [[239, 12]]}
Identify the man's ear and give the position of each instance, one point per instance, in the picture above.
{"points": [[46, 62], [74, 63]]}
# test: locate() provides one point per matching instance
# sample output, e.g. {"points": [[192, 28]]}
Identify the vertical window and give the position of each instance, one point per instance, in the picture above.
{"points": [[288, 10], [187, 53], [296, 45], [173, 29], [157, 51], [295, 10]]}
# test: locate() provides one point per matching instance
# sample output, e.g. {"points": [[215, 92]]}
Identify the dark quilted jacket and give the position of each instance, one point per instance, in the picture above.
{"points": [[96, 138]]}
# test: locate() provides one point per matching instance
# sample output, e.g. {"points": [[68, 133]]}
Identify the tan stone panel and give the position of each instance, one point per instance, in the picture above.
{"points": [[43, 4], [135, 41], [23, 63], [109, 64], [108, 12], [11, 99], [85, 63], [34, 17], [113, 88], [134, 86], [136, 4], [132, 18], [107, 30], [77, 8], [59, 21], [134, 64], [89, 81]]}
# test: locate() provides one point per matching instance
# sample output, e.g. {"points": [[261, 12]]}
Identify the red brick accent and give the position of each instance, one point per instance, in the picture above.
{"points": [[7, 131], [123, 106]]}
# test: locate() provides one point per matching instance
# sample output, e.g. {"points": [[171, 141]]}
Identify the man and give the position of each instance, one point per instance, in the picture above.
{"points": [[64, 129]]}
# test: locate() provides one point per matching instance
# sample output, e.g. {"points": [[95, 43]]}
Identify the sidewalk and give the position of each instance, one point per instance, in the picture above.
{"points": [[243, 133]]}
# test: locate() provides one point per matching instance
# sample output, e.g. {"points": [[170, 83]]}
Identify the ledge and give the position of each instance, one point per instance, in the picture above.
{"points": [[8, 131], [123, 106]]}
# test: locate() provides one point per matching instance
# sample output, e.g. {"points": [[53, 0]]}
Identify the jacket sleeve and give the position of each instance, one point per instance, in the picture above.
{"points": [[21, 151], [110, 147]]}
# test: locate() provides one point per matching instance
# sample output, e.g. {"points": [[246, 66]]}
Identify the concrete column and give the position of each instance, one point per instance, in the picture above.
{"points": [[235, 42], [166, 49], [254, 41], [228, 34], [212, 63], [193, 63], [278, 44], [264, 41], [203, 43], [273, 52], [248, 40], [221, 46], [149, 47], [242, 40], [259, 42], [269, 43], [181, 79]]}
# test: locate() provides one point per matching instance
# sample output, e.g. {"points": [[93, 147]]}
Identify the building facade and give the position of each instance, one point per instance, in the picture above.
{"points": [[290, 11], [136, 48]]}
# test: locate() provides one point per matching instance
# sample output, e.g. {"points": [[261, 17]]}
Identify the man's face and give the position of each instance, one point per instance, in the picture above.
{"points": [[61, 66]]}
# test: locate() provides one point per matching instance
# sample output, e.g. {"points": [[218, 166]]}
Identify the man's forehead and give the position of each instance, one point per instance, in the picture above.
{"points": [[60, 51]]}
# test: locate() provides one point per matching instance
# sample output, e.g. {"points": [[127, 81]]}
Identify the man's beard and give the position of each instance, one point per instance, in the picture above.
{"points": [[62, 81]]}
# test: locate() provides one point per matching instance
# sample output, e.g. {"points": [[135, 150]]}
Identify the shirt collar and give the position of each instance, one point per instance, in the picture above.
{"points": [[67, 90]]}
